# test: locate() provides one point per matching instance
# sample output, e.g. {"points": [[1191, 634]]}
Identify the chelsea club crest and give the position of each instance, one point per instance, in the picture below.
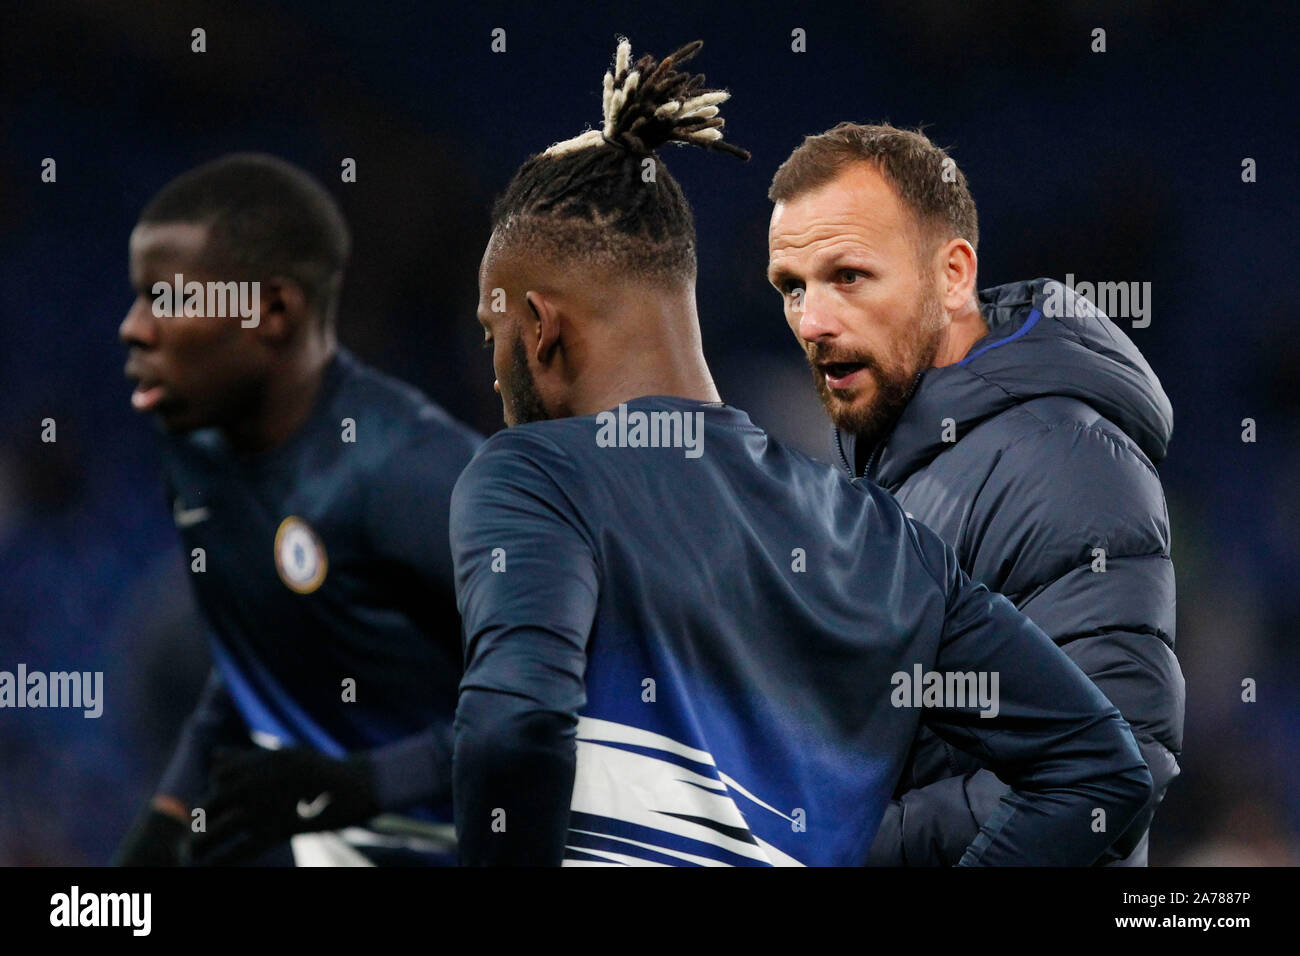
{"points": [[299, 556]]}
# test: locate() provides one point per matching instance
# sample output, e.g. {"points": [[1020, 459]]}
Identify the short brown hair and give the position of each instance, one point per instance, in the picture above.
{"points": [[942, 205]]}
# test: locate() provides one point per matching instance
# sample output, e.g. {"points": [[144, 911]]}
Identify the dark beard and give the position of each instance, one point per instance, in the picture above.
{"points": [[872, 423], [523, 403]]}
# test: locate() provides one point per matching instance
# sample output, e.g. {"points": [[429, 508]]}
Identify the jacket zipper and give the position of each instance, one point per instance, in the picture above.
{"points": [[839, 446]]}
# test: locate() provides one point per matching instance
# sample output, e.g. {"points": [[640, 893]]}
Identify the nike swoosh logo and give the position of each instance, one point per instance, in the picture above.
{"points": [[307, 811], [187, 516]]}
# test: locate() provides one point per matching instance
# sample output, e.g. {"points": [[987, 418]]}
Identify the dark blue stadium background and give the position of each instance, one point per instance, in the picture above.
{"points": [[1118, 166]]}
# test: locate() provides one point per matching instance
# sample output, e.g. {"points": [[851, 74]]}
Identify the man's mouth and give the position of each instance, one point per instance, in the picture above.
{"points": [[148, 392], [143, 399], [843, 375]]}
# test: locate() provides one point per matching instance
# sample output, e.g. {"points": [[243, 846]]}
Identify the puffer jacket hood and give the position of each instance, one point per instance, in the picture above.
{"points": [[1044, 339]]}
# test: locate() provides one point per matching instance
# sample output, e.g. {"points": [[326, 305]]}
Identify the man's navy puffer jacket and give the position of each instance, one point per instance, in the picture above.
{"points": [[1058, 423]]}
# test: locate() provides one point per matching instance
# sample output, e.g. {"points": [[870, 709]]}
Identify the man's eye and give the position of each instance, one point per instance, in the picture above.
{"points": [[850, 276], [789, 287]]}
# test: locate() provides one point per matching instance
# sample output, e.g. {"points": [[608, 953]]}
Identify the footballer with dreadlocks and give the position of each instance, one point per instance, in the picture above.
{"points": [[684, 641]]}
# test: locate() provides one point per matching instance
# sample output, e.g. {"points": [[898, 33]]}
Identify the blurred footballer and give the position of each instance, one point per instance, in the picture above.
{"points": [[315, 491]]}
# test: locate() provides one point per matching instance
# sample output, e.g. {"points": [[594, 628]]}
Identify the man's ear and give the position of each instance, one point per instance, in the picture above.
{"points": [[283, 308], [546, 324], [959, 265]]}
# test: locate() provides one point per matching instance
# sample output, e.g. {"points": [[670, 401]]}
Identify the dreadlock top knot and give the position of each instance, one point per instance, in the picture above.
{"points": [[649, 103], [594, 200]]}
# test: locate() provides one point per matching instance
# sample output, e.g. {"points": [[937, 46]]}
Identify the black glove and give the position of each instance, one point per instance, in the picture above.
{"points": [[259, 798], [155, 839]]}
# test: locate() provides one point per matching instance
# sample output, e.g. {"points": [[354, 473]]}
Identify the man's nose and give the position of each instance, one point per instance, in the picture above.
{"points": [[814, 316], [139, 326]]}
